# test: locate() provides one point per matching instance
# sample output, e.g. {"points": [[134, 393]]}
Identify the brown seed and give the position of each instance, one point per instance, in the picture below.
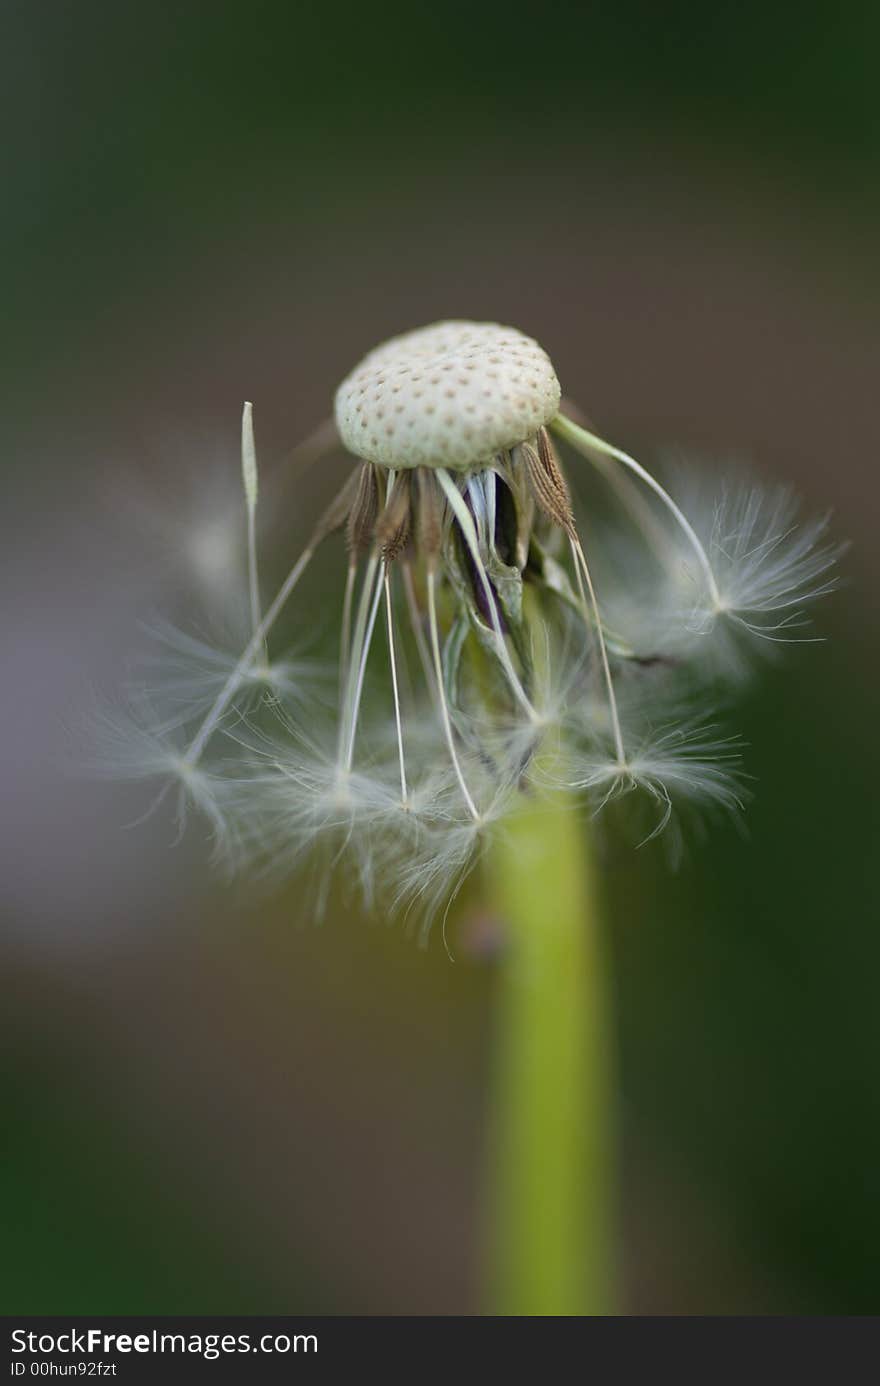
{"points": [[394, 525], [363, 513], [547, 483], [429, 506]]}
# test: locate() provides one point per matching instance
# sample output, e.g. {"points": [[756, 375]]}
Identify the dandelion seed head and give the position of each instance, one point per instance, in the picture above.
{"points": [[449, 395], [489, 649]]}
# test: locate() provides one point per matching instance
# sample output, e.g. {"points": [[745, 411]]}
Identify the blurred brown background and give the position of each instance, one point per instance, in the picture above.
{"points": [[211, 1104]]}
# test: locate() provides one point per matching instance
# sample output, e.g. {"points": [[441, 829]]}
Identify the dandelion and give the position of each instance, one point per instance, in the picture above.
{"points": [[521, 650], [505, 671]]}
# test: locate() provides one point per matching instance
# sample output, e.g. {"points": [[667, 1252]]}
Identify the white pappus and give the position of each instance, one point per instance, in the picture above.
{"points": [[490, 645]]}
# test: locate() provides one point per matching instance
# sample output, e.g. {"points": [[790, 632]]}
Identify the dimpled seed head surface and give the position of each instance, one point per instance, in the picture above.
{"points": [[449, 395]]}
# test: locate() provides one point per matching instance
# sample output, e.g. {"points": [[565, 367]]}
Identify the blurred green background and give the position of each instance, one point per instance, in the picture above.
{"points": [[211, 1105]]}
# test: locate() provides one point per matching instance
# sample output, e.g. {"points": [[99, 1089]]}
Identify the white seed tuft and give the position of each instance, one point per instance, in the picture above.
{"points": [[449, 395]]}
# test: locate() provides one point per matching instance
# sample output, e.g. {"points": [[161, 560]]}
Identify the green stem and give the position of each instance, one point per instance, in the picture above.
{"points": [[551, 1189]]}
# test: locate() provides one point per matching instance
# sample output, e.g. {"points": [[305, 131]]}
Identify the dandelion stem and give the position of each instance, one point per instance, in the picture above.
{"points": [[550, 1176], [587, 444]]}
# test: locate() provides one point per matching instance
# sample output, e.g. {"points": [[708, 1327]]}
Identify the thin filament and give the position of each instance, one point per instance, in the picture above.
{"points": [[581, 563], [441, 692], [389, 618], [362, 668], [354, 655], [253, 581], [250, 479], [587, 442], [631, 497], [345, 638], [415, 619], [262, 657], [355, 666], [249, 654]]}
